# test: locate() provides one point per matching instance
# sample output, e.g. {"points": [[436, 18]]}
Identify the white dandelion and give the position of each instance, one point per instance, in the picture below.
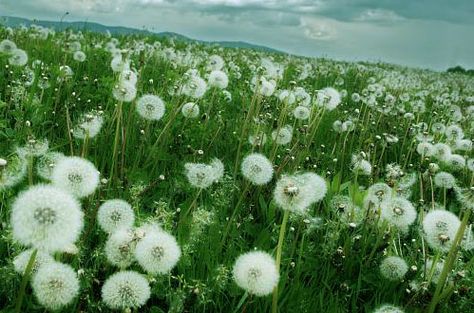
{"points": [[158, 252], [40, 216], [393, 268], [190, 110], [256, 273], [150, 107], [55, 285], [76, 175], [440, 228], [257, 169], [125, 290], [115, 214]]}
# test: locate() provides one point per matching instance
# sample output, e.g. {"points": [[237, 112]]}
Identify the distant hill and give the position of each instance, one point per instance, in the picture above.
{"points": [[11, 21]]}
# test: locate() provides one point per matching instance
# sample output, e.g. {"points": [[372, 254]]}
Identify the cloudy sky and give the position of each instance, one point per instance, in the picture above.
{"points": [[424, 33]]}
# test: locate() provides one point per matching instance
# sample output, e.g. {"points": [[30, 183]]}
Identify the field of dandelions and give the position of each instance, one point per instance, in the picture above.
{"points": [[142, 174]]}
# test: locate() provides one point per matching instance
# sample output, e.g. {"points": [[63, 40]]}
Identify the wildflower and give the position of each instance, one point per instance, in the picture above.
{"points": [[297, 192], [21, 261], [120, 248], [393, 268], [218, 79], [40, 216], [13, 171], [398, 212], [329, 98], [387, 308], [125, 290], [440, 227], [284, 135], [190, 110], [33, 147], [76, 175], [150, 107], [79, 56], [425, 149], [115, 214], [360, 165], [257, 168], [89, 126], [256, 273], [301, 112], [18, 57], [55, 285], [444, 180], [456, 161], [158, 252], [7, 46], [124, 91]]}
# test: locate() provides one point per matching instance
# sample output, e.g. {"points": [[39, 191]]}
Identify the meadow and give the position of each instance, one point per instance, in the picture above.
{"points": [[146, 174]]}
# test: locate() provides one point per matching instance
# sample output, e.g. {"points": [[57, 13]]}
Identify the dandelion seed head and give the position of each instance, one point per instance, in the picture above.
{"points": [[41, 214], [55, 285], [76, 175], [256, 273], [125, 290], [257, 169], [115, 214]]}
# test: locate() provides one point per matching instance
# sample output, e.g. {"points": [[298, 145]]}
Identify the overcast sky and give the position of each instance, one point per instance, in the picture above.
{"points": [[424, 33]]}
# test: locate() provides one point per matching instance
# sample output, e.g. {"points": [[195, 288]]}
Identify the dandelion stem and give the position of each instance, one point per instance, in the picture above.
{"points": [[278, 258], [24, 281]]}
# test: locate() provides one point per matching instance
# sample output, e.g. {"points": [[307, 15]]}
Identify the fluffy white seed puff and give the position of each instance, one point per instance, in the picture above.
{"points": [[55, 285], [124, 91], [387, 308], [257, 169], [89, 126], [190, 110], [120, 248], [47, 163], [445, 180], [79, 56], [21, 261], [76, 175], [46, 218], [393, 268], [203, 175], [440, 227], [115, 214], [125, 290], [218, 79], [256, 273], [284, 135], [301, 112], [399, 212], [158, 252], [150, 107], [329, 98], [296, 193]]}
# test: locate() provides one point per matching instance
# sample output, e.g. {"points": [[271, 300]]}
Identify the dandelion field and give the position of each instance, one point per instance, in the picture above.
{"points": [[143, 174]]}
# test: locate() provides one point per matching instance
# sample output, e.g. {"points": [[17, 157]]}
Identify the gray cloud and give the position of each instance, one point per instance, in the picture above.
{"points": [[425, 33]]}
